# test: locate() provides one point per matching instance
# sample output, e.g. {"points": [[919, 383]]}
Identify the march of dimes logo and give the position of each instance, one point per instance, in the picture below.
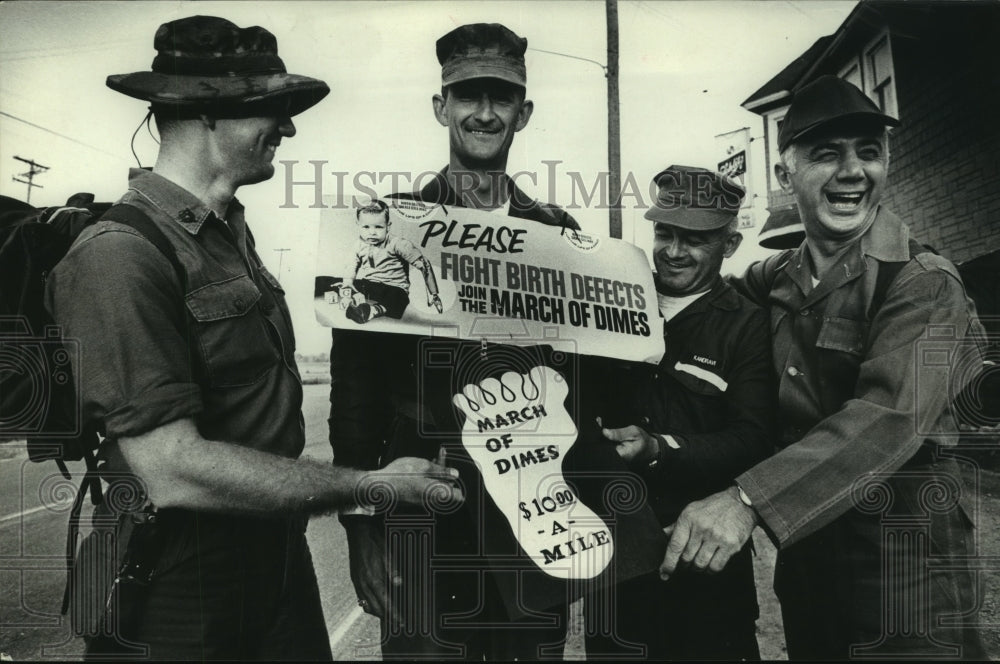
{"points": [[581, 241]]}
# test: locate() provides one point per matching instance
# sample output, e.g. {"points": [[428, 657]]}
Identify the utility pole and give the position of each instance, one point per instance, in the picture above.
{"points": [[614, 123], [33, 170], [281, 255]]}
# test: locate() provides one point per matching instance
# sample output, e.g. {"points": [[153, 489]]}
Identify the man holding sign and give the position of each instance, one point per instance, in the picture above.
{"points": [[703, 416], [382, 405], [863, 498]]}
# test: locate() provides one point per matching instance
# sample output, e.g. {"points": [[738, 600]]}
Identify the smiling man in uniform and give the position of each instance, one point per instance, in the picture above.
{"points": [[187, 367], [383, 402], [702, 417], [865, 419]]}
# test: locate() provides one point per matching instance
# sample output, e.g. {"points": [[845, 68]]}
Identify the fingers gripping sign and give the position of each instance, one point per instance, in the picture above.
{"points": [[708, 533], [517, 431], [631, 442]]}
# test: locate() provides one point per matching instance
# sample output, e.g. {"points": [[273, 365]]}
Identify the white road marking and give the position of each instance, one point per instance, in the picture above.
{"points": [[344, 627], [33, 510]]}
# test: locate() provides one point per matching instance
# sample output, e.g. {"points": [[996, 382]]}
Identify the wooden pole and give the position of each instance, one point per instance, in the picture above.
{"points": [[614, 124]]}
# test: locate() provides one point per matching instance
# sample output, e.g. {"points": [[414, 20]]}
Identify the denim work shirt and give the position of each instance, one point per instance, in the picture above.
{"points": [[216, 346], [859, 390]]}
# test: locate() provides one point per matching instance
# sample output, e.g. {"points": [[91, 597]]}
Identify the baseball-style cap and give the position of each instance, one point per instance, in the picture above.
{"points": [[209, 62], [482, 50], [782, 230], [696, 199], [824, 100]]}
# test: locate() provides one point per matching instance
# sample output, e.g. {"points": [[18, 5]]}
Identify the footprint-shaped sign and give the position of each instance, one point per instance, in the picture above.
{"points": [[518, 432]]}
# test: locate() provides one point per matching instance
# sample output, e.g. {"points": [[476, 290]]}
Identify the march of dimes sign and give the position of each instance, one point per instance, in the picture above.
{"points": [[457, 273]]}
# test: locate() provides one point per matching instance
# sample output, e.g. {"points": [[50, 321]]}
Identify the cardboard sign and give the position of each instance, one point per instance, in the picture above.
{"points": [[555, 508], [497, 277]]}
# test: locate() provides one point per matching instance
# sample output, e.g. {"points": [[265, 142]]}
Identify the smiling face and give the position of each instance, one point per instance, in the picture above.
{"points": [[838, 177], [482, 116], [688, 262], [246, 145], [373, 227]]}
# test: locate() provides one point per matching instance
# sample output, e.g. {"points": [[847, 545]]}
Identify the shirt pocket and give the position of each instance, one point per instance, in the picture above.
{"points": [[843, 334], [236, 348]]}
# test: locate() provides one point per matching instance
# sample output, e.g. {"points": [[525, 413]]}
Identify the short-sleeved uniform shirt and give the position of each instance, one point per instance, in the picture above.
{"points": [[215, 344]]}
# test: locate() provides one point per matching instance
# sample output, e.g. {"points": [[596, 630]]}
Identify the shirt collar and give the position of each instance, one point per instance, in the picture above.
{"points": [[177, 202], [439, 190], [721, 296], [888, 239]]}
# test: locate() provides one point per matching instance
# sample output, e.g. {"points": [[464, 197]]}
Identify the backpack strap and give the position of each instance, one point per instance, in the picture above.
{"points": [[136, 219], [887, 273]]}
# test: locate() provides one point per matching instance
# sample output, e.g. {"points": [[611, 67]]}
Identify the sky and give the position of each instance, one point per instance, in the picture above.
{"points": [[685, 67]]}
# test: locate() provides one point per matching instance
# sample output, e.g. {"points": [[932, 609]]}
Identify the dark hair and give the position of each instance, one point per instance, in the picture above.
{"points": [[166, 117], [375, 207]]}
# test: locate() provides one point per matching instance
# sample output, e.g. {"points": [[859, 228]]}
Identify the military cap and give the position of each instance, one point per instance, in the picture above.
{"points": [[209, 62], [825, 100], [695, 198], [482, 50]]}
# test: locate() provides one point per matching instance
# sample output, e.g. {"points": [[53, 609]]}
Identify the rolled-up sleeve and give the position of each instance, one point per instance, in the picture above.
{"points": [[119, 304], [898, 400]]}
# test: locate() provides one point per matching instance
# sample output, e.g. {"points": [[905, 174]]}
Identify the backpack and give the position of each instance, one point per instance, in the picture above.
{"points": [[38, 395]]}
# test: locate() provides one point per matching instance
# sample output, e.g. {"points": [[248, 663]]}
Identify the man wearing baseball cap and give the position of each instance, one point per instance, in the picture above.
{"points": [[702, 417], [381, 401], [187, 367], [862, 494]]}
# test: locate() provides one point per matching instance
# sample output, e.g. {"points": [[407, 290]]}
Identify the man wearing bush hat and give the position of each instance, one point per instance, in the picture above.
{"points": [[702, 417], [861, 316], [187, 367]]}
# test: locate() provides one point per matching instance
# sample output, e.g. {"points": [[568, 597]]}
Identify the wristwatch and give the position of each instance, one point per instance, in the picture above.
{"points": [[744, 498], [667, 440]]}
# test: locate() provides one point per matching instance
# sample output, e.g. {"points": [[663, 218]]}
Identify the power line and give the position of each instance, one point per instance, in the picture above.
{"points": [[56, 133], [15, 55], [34, 168], [575, 57]]}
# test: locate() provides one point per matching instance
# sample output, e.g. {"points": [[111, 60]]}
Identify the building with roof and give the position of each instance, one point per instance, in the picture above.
{"points": [[936, 67]]}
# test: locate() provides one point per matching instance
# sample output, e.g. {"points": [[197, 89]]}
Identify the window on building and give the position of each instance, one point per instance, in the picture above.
{"points": [[774, 120], [879, 79], [852, 74]]}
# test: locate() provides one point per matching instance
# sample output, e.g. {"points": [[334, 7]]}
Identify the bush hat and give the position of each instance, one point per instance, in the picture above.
{"points": [[695, 198], [209, 62], [482, 50]]}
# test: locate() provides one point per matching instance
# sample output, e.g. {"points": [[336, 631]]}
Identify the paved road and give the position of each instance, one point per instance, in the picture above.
{"points": [[33, 515]]}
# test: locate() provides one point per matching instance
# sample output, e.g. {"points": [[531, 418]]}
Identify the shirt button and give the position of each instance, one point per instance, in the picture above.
{"points": [[805, 312], [238, 303], [793, 371]]}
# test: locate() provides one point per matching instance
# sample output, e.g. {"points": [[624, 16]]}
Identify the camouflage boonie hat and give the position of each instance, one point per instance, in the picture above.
{"points": [[205, 61]]}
